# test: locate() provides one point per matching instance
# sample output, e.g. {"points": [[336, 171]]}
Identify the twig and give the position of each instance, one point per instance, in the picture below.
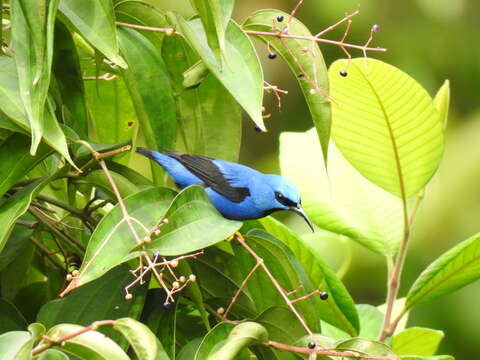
{"points": [[320, 351], [106, 77], [51, 342], [49, 254]]}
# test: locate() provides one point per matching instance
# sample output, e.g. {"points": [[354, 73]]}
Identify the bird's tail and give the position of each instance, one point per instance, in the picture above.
{"points": [[146, 152]]}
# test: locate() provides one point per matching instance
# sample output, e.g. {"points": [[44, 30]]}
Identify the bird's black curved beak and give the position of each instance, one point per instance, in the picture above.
{"points": [[298, 209]]}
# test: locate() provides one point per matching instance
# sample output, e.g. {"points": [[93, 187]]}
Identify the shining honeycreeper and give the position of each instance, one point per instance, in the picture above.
{"points": [[237, 191]]}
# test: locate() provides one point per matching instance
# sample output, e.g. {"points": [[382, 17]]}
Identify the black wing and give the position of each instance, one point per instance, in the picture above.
{"points": [[206, 170]]}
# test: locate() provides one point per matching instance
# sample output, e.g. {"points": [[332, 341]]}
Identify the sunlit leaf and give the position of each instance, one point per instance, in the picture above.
{"points": [[53, 354], [11, 344], [139, 336], [442, 102], [96, 23], [418, 341], [339, 309], [241, 58], [397, 309], [89, 345], [112, 239], [210, 118], [434, 357], [192, 216], [453, 270], [386, 125], [364, 346], [312, 69], [149, 87], [341, 201]]}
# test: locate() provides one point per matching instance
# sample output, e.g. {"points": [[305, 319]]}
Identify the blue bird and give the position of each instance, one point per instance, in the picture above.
{"points": [[237, 191]]}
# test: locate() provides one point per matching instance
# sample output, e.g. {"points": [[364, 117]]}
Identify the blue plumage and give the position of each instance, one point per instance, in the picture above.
{"points": [[237, 191]]}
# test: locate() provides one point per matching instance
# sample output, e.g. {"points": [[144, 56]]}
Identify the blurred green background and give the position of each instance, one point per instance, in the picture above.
{"points": [[432, 40]]}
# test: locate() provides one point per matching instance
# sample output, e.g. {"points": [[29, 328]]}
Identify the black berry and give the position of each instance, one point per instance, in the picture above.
{"points": [[256, 128], [167, 304], [311, 345], [280, 18], [272, 56], [323, 295], [301, 75], [343, 73]]}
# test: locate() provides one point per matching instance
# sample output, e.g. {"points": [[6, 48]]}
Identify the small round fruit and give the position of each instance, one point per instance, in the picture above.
{"points": [[323, 295], [280, 18], [311, 345], [343, 73], [272, 55]]}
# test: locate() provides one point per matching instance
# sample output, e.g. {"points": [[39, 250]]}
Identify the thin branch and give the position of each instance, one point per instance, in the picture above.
{"points": [[320, 351], [51, 342], [49, 254]]}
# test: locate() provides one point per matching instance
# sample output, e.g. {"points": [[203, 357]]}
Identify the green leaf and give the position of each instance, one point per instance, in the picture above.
{"points": [[112, 239], [101, 299], [281, 325], [89, 345], [437, 357], [96, 23], [194, 75], [16, 206], [66, 68], [286, 269], [13, 343], [53, 354], [188, 351], [417, 341], [454, 269], [442, 102], [362, 346], [139, 336], [32, 38], [241, 58], [312, 67], [100, 180], [149, 87], [386, 125], [191, 216], [16, 161], [226, 341], [10, 318], [11, 104], [210, 118], [341, 200], [397, 309], [339, 309], [215, 16]]}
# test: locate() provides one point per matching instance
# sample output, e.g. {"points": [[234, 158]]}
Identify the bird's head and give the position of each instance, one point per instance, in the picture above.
{"points": [[285, 196]]}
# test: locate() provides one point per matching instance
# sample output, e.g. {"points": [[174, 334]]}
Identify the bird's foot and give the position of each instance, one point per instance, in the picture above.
{"points": [[235, 235]]}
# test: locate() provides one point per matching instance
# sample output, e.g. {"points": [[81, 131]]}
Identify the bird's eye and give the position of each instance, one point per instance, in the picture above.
{"points": [[278, 196]]}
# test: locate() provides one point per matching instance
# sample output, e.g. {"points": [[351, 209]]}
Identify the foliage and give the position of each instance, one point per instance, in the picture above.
{"points": [[143, 270]]}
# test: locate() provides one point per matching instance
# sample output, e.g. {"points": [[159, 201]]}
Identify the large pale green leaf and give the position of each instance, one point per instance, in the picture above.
{"points": [[313, 68], [386, 125], [89, 345], [149, 87], [418, 341], [32, 37], [11, 104], [95, 21], [12, 344], [227, 341], [341, 200], [339, 309], [215, 16], [67, 72], [241, 58], [286, 269], [454, 269], [194, 224], [16, 161], [139, 336], [16, 206], [112, 239], [210, 118], [53, 354], [102, 299]]}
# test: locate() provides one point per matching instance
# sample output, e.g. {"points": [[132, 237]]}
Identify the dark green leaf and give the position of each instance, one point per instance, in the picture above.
{"points": [[149, 87], [241, 58], [16, 161], [96, 23], [287, 271], [16, 244], [281, 325], [192, 216], [100, 300], [339, 309], [313, 68], [112, 239], [188, 351], [417, 341], [454, 269], [210, 117], [10, 318]]}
